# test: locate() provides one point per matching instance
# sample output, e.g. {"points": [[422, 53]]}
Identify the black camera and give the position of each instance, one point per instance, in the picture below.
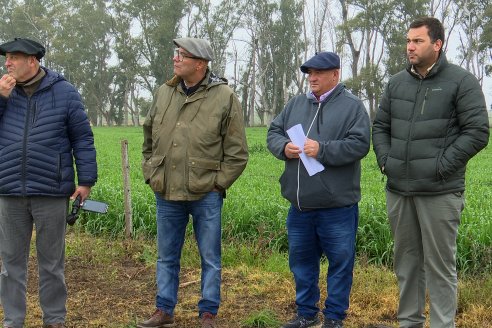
{"points": [[87, 205], [74, 214]]}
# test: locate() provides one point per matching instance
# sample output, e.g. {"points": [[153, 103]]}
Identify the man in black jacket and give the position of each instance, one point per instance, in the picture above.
{"points": [[432, 119]]}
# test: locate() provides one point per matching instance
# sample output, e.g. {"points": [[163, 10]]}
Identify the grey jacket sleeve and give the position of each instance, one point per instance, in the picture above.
{"points": [[356, 142], [277, 136]]}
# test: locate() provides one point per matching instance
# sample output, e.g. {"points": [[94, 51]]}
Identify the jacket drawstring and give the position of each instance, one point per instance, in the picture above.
{"points": [[320, 117]]}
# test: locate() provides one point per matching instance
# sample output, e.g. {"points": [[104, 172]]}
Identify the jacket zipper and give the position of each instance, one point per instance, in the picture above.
{"points": [[35, 113], [299, 161], [24, 146], [298, 184], [423, 103], [410, 132]]}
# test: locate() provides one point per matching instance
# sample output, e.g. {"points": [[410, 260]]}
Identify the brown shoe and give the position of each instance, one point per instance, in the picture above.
{"points": [[159, 319], [208, 320], [55, 325]]}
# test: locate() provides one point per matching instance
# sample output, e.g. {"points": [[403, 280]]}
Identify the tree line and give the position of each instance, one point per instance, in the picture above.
{"points": [[118, 52]]}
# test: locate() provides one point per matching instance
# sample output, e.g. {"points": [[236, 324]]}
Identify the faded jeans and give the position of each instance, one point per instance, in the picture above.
{"points": [[172, 218]]}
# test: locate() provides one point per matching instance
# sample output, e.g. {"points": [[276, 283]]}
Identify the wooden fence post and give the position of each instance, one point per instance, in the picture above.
{"points": [[126, 187]]}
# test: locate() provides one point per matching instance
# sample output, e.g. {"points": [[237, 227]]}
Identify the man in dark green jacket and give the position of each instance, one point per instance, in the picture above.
{"points": [[432, 119]]}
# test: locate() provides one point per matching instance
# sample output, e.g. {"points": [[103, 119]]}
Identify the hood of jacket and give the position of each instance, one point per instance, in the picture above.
{"points": [[211, 79]]}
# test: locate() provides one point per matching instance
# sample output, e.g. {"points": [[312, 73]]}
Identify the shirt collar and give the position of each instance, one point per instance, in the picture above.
{"points": [[324, 95], [427, 72]]}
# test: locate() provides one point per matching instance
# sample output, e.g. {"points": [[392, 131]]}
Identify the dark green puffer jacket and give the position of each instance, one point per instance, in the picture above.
{"points": [[427, 129]]}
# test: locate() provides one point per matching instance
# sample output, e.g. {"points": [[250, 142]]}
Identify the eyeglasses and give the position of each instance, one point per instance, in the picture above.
{"points": [[181, 55]]}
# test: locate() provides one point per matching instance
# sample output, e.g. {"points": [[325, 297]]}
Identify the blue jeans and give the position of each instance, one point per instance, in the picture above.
{"points": [[172, 218], [310, 234]]}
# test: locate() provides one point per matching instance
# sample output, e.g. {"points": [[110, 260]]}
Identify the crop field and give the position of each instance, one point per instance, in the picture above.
{"points": [[254, 211]]}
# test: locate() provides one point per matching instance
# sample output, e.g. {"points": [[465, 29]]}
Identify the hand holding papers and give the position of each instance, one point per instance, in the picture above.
{"points": [[296, 135]]}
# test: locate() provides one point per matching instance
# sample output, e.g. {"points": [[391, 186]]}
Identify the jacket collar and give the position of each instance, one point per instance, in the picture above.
{"points": [[441, 62], [210, 80], [338, 89]]}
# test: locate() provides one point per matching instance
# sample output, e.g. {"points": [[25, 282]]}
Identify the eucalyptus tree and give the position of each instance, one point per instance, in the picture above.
{"points": [[81, 50], [34, 19], [365, 23], [374, 32], [129, 68], [288, 49], [154, 26], [217, 23], [318, 23], [472, 55], [258, 26], [486, 37], [6, 7], [275, 29]]}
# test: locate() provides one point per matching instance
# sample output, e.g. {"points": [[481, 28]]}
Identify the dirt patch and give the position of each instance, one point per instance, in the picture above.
{"points": [[111, 283]]}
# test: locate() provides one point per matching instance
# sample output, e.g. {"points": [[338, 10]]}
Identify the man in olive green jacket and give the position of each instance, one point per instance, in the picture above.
{"points": [[432, 119], [194, 149]]}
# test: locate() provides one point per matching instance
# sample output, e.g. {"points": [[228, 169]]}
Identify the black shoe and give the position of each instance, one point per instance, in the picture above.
{"points": [[332, 323], [302, 322]]}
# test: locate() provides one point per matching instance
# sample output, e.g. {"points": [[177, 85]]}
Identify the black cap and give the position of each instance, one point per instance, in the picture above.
{"points": [[322, 61], [26, 46]]}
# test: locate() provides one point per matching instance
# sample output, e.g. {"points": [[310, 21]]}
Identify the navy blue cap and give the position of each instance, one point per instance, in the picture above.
{"points": [[322, 61], [26, 46]]}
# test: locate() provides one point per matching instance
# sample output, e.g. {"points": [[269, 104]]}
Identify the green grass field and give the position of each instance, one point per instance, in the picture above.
{"points": [[254, 211]]}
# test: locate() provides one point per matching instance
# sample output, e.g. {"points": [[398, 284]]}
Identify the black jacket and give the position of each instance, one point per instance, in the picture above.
{"points": [[427, 129]]}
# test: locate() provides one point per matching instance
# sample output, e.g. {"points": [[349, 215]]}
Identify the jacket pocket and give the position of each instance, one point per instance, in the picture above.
{"points": [[59, 168], [154, 173], [439, 169], [395, 168], [202, 174]]}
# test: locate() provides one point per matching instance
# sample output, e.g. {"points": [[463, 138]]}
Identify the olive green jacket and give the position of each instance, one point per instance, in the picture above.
{"points": [[193, 144]]}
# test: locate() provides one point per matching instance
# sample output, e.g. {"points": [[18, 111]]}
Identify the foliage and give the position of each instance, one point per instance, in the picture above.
{"points": [[274, 55], [217, 24], [254, 210], [486, 37], [471, 23], [118, 52]]}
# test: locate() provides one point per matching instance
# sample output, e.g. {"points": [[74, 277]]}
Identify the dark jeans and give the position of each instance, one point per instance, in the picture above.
{"points": [[310, 234]]}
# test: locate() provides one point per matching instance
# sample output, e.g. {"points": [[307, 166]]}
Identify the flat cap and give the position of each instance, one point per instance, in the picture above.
{"points": [[199, 48], [322, 61], [26, 46]]}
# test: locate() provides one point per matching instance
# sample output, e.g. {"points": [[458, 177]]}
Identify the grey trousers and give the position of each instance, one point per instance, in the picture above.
{"points": [[425, 229], [17, 216]]}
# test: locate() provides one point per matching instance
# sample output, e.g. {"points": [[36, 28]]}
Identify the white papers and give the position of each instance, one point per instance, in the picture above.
{"points": [[296, 135]]}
